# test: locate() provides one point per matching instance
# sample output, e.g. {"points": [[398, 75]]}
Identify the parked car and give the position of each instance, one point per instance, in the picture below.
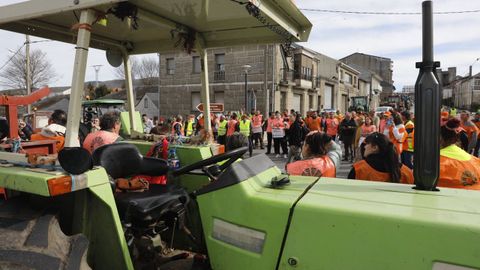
{"points": [[383, 109]]}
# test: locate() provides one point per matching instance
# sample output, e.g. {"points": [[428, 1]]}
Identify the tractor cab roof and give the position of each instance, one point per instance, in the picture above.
{"points": [[150, 26]]}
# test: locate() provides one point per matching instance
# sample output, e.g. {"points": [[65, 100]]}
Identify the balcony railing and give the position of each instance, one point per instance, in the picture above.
{"points": [[219, 75], [306, 77]]}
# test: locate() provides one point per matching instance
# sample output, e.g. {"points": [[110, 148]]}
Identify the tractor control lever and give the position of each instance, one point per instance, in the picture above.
{"points": [[279, 181]]}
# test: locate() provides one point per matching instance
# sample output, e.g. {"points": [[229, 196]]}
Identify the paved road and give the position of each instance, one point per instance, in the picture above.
{"points": [[342, 172]]}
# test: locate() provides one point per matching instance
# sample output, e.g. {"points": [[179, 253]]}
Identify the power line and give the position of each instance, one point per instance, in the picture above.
{"points": [[8, 61], [386, 12]]}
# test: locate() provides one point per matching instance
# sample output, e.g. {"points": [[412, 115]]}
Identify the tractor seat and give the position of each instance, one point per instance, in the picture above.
{"points": [[122, 160], [150, 204]]}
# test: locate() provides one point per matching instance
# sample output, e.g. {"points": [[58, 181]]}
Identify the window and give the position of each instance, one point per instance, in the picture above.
{"points": [[220, 62], [196, 67], [145, 103], [196, 99], [220, 97], [170, 66], [347, 78]]}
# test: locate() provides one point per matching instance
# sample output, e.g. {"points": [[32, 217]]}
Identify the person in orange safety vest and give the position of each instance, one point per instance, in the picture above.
{"points": [[55, 130], [458, 169], [380, 162], [321, 156]]}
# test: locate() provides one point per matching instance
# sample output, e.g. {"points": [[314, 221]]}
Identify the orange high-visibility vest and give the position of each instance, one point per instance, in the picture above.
{"points": [[332, 127], [398, 143], [458, 169], [232, 125], [60, 140], [363, 171], [257, 120], [320, 166]]}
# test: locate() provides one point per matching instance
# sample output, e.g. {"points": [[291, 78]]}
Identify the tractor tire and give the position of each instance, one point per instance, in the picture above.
{"points": [[32, 239]]}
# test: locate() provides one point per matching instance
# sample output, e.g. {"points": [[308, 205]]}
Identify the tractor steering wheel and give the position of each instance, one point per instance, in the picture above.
{"points": [[230, 157]]}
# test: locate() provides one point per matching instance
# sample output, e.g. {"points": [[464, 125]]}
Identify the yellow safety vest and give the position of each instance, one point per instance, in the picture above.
{"points": [[189, 128], [222, 128], [245, 127], [410, 138]]}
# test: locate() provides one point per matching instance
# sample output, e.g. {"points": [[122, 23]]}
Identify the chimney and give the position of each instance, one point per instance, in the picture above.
{"points": [[470, 71]]}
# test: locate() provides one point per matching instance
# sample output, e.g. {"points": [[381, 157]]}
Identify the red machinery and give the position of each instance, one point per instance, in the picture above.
{"points": [[12, 102]]}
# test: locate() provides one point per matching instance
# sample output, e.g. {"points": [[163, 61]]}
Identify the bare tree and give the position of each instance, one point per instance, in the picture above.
{"points": [[14, 74], [120, 71], [145, 69]]}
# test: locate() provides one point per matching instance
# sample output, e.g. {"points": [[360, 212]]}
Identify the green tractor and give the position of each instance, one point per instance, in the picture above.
{"points": [[217, 211]]}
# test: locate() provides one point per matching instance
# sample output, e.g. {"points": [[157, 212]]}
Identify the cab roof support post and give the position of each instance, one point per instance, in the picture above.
{"points": [[87, 17], [205, 93], [127, 64]]}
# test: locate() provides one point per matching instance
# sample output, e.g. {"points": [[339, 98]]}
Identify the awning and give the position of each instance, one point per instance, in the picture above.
{"points": [[161, 25]]}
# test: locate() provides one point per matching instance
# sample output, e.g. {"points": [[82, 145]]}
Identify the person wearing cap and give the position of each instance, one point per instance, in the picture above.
{"points": [[458, 169], [383, 121], [408, 145], [222, 130], [395, 130], [476, 121], [470, 129]]}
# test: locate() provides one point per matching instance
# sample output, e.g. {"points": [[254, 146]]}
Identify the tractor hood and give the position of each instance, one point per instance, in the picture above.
{"points": [[151, 26], [377, 225]]}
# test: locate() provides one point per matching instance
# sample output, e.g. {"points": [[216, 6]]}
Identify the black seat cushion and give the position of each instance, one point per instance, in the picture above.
{"points": [[122, 160], [150, 204], [75, 160]]}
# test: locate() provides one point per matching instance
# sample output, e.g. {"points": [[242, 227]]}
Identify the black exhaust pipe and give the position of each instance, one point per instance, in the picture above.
{"points": [[427, 111]]}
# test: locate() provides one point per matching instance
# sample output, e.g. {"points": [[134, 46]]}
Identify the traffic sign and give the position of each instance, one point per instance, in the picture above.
{"points": [[214, 107]]}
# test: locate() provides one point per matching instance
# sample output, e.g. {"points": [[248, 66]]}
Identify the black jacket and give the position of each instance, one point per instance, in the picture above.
{"points": [[296, 133]]}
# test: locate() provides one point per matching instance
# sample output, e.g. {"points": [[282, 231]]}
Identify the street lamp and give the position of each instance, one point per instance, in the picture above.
{"points": [[245, 71]]}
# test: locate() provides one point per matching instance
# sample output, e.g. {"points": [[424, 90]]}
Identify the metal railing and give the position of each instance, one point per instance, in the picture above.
{"points": [[219, 75]]}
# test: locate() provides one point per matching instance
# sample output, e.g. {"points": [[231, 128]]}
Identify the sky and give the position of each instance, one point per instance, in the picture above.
{"points": [[456, 37]]}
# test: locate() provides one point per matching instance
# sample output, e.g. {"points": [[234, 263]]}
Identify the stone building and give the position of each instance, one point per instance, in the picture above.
{"points": [[380, 65], [466, 92], [370, 86], [316, 82], [275, 82]]}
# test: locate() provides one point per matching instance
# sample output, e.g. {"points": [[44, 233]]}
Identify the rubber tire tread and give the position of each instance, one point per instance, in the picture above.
{"points": [[32, 239]]}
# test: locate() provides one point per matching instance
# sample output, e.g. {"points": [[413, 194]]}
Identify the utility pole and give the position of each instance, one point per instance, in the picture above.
{"points": [[28, 80], [97, 69]]}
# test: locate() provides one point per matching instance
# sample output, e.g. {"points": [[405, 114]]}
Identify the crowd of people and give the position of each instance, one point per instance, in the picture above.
{"points": [[380, 146]]}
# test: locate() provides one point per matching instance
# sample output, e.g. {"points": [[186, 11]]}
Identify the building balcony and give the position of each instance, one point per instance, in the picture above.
{"points": [[219, 76]]}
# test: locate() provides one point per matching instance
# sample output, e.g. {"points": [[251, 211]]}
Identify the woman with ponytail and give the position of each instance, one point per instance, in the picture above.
{"points": [[321, 156], [458, 169], [380, 162]]}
